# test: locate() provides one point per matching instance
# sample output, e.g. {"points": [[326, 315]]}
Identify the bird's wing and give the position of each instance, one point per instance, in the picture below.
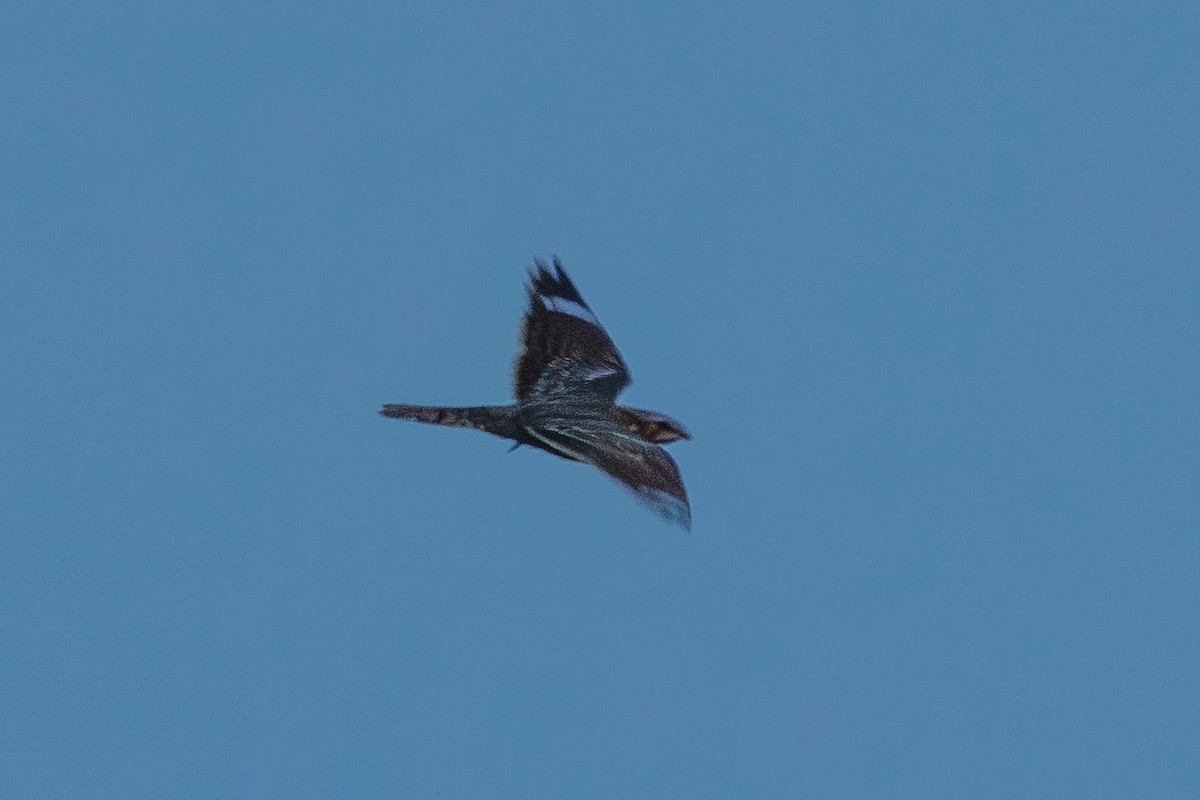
{"points": [[645, 469], [565, 353]]}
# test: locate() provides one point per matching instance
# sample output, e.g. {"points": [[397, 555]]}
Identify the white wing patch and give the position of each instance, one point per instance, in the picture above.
{"points": [[572, 309]]}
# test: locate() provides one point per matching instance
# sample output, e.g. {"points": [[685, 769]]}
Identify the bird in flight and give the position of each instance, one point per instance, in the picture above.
{"points": [[567, 378]]}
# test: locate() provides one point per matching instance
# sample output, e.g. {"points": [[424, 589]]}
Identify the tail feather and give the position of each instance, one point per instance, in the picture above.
{"points": [[434, 415], [499, 420]]}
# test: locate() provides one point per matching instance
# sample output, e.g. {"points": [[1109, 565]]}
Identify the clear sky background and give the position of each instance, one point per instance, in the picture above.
{"points": [[922, 282]]}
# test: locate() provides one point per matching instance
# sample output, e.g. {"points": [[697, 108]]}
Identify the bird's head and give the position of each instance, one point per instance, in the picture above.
{"points": [[652, 426]]}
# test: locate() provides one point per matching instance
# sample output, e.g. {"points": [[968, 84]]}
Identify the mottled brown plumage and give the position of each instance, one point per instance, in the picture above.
{"points": [[566, 381]]}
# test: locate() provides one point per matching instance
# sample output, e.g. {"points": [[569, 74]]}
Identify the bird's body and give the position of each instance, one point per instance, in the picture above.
{"points": [[567, 377]]}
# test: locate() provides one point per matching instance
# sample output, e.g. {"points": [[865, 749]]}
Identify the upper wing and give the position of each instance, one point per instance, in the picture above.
{"points": [[646, 469], [566, 353]]}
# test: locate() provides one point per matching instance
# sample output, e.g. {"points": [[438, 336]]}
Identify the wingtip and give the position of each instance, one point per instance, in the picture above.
{"points": [[669, 507], [540, 271]]}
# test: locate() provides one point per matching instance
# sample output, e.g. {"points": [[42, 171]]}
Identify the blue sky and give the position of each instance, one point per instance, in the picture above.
{"points": [[921, 282]]}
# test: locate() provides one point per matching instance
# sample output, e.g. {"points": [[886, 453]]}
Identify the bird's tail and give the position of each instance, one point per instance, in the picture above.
{"points": [[499, 420]]}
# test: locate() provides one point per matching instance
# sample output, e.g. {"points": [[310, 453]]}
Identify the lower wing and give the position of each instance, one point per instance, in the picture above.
{"points": [[645, 469]]}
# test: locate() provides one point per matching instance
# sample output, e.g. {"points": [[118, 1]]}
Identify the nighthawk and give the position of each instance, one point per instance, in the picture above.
{"points": [[567, 378]]}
